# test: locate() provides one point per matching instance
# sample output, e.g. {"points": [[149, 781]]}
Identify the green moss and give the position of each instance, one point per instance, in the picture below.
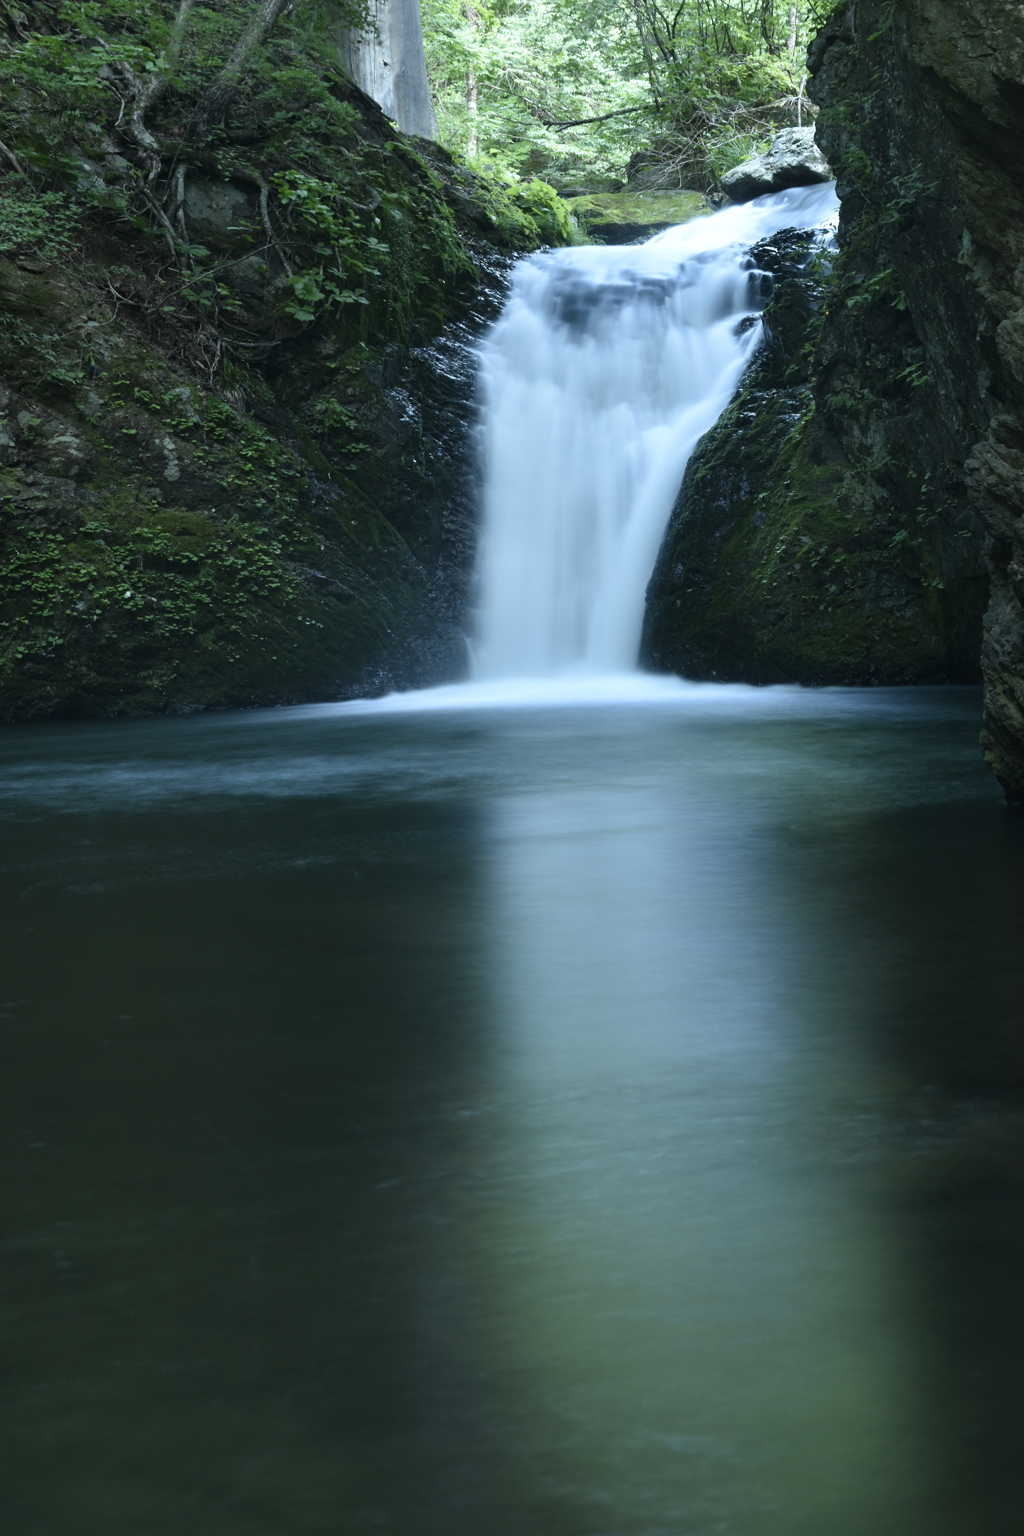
{"points": [[145, 606], [209, 496], [618, 217], [548, 211], [787, 564], [816, 537], [822, 576], [791, 566]]}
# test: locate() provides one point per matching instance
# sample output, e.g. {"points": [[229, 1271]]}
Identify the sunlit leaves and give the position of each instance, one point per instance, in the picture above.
{"points": [[715, 75]]}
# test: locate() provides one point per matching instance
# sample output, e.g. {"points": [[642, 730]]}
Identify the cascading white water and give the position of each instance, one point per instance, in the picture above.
{"points": [[606, 367]]}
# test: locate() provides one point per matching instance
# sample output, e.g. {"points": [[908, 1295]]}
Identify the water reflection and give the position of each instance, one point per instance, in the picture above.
{"points": [[702, 1311], [604, 1122]]}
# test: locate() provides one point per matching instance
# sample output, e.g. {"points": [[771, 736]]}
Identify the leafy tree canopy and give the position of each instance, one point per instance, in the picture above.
{"points": [[576, 90]]}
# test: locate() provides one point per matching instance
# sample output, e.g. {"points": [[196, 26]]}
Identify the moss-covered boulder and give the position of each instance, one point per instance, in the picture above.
{"points": [[621, 218]]}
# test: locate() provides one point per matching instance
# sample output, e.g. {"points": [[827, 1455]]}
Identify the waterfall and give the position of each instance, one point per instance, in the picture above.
{"points": [[607, 366]]}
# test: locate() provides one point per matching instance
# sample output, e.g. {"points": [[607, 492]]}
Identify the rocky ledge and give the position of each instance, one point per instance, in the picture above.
{"points": [[622, 218]]}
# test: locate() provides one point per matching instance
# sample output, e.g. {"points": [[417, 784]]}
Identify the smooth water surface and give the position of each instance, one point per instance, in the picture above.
{"points": [[566, 1121]]}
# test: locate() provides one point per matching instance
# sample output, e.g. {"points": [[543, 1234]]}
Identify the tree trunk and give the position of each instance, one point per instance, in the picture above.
{"points": [[794, 19], [472, 102], [220, 93], [387, 61], [144, 92]]}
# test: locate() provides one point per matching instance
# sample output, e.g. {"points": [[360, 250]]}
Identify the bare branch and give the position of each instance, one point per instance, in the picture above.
{"points": [[268, 228], [577, 122]]}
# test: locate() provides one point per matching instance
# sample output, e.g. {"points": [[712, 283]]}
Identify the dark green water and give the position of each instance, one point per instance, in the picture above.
{"points": [[568, 1122]]}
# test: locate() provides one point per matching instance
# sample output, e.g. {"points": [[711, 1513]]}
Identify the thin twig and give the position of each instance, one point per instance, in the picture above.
{"points": [[178, 183], [164, 221], [216, 359], [198, 277]]}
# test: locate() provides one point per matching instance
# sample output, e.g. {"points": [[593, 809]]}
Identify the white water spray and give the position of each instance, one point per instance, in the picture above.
{"points": [[607, 366]]}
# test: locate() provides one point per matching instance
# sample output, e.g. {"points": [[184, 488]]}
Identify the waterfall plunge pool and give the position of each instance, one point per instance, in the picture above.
{"points": [[591, 1121]]}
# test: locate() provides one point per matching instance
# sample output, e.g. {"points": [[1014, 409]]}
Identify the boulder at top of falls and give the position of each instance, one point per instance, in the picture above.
{"points": [[622, 218], [794, 160]]}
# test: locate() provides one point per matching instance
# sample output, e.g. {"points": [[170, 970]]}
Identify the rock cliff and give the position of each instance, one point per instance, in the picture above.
{"points": [[849, 535], [235, 380]]}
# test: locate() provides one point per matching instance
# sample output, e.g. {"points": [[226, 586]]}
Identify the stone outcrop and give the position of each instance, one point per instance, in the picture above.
{"points": [[924, 115], [794, 160], [166, 546], [622, 218], [245, 476], [788, 559], [910, 429]]}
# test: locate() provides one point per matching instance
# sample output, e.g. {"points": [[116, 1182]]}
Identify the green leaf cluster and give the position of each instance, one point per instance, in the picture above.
{"points": [[574, 89]]}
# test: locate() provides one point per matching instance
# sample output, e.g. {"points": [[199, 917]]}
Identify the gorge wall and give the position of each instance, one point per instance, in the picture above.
{"points": [[847, 518], [235, 380]]}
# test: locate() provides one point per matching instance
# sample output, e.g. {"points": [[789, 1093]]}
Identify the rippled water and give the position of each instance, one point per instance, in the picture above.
{"points": [[593, 1121]]}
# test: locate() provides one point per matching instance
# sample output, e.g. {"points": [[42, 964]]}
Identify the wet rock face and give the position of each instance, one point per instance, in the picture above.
{"points": [[924, 116], [782, 562], [247, 477], [794, 160], [892, 456], [271, 505], [130, 511]]}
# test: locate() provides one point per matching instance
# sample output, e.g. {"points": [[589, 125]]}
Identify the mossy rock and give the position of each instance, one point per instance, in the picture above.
{"points": [[786, 559], [241, 471], [621, 218]]}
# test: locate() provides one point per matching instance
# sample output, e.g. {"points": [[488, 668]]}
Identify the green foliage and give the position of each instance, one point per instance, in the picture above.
{"points": [[345, 225], [548, 211], [343, 252], [57, 76], [880, 287], [508, 77], [159, 542], [169, 574], [573, 89], [41, 222]]}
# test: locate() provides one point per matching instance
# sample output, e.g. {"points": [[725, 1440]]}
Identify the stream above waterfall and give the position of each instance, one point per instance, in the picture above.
{"points": [[531, 1122]]}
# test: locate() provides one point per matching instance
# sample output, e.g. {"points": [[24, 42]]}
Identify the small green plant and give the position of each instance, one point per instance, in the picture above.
{"points": [[42, 222], [915, 376], [880, 287]]}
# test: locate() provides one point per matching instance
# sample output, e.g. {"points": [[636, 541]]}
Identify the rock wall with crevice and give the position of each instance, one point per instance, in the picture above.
{"points": [[849, 532]]}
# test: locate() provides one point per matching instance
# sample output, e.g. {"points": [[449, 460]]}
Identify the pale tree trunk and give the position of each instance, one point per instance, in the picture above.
{"points": [[144, 92], [386, 60], [473, 104], [220, 93], [794, 19], [472, 98]]}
